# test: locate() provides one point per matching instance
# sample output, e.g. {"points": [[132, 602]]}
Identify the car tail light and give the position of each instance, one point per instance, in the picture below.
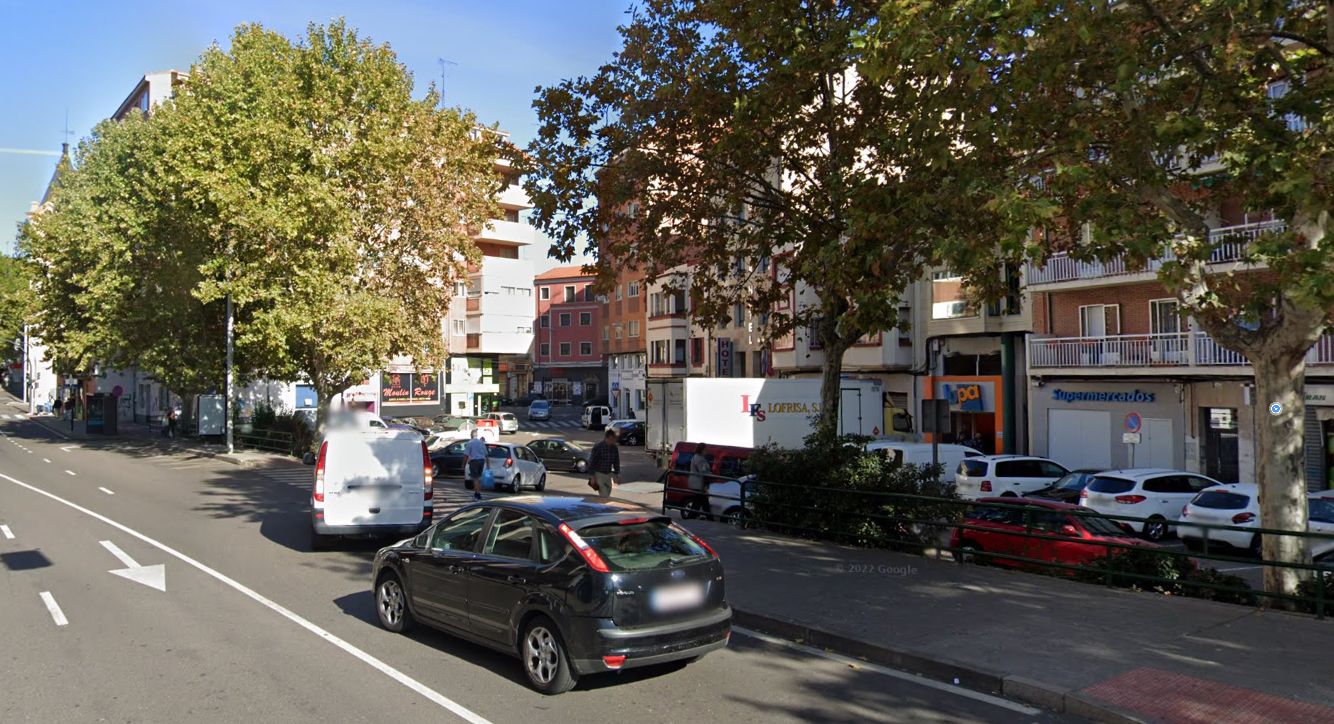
{"points": [[613, 662], [1084, 494], [1240, 518], [698, 540], [1130, 499], [428, 478], [1185, 511], [586, 551], [509, 462], [319, 473], [986, 486]]}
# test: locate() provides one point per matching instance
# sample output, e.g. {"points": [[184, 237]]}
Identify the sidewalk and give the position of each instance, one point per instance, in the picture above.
{"points": [[1106, 654], [141, 432]]}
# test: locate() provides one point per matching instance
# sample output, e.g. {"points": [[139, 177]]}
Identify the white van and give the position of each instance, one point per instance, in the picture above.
{"points": [[370, 483], [919, 453], [596, 417]]}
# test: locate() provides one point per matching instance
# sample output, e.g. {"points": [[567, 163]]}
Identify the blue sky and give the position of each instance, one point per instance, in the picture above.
{"points": [[83, 58]]}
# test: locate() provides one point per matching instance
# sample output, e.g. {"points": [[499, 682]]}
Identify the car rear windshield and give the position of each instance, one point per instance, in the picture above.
{"points": [[1100, 526], [1221, 500], [498, 452], [1111, 485], [539, 404], [642, 546], [973, 467]]}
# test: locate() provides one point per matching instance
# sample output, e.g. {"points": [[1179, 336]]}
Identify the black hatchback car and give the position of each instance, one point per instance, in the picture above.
{"points": [[1067, 488], [560, 454], [570, 586]]}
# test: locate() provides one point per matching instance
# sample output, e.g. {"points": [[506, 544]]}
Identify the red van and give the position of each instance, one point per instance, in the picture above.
{"points": [[725, 460]]}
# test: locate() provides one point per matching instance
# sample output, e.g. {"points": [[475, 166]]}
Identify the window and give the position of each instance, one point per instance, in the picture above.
{"points": [[1099, 320], [739, 314], [642, 546], [544, 293], [460, 532], [589, 295], [764, 265], [1114, 486], [634, 328], [460, 289], [680, 357], [632, 209], [618, 292], [585, 348], [585, 319], [565, 319], [569, 292], [1220, 500], [655, 304], [550, 547], [511, 534], [546, 321], [459, 328], [617, 327], [544, 349], [633, 289], [696, 351], [1163, 317], [606, 332], [564, 349], [660, 352]]}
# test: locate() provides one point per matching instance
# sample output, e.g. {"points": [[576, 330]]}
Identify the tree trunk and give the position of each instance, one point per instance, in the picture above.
{"points": [[831, 378], [1280, 378]]}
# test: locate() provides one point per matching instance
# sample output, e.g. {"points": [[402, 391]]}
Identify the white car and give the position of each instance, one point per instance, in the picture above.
{"points": [[919, 453], [1238, 505], [515, 467], [726, 502], [371, 483], [1005, 476], [596, 417], [1154, 496], [507, 421]]}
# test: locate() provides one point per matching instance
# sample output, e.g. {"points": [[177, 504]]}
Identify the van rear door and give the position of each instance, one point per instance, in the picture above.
{"points": [[373, 478]]}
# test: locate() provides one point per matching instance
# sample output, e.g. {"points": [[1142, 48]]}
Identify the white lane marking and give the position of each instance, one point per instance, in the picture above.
{"points": [[69, 448], [70, 472], [920, 680], [54, 608], [122, 556], [47, 460], [108, 492], [430, 694], [7, 532]]}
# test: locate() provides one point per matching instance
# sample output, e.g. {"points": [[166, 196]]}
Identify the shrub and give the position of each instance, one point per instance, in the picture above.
{"points": [[1143, 569], [835, 490], [1308, 588], [1222, 587]]}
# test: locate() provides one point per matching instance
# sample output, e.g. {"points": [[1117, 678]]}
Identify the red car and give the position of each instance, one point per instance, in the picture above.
{"points": [[727, 463], [998, 526]]}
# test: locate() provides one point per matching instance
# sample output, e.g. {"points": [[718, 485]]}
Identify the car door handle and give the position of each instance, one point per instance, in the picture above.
{"points": [[516, 579]]}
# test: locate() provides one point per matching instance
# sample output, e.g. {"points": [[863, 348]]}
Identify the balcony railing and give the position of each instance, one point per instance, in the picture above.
{"points": [[1182, 349], [1228, 242]]}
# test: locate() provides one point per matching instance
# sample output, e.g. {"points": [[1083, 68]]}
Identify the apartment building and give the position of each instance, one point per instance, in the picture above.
{"points": [[567, 362], [1120, 377], [624, 343], [678, 346]]}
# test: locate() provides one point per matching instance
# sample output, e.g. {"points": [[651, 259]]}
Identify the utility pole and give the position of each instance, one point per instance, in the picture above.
{"points": [[227, 384]]}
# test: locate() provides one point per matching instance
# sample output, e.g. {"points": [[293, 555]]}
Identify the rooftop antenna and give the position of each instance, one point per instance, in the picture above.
{"points": [[64, 140], [444, 73]]}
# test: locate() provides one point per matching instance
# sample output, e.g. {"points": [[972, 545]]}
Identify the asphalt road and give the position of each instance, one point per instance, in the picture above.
{"points": [[254, 626]]}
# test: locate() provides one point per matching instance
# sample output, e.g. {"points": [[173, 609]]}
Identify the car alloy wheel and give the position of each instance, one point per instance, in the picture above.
{"points": [[392, 606], [1155, 529], [544, 658], [542, 483]]}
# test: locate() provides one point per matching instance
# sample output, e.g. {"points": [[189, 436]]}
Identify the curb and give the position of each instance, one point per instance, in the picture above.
{"points": [[219, 456], [1028, 691]]}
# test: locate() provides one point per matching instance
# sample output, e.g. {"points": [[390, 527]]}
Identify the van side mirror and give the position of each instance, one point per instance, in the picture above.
{"points": [[308, 458]]}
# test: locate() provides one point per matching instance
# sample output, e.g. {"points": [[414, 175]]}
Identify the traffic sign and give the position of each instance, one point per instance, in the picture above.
{"points": [[1134, 423], [1130, 438]]}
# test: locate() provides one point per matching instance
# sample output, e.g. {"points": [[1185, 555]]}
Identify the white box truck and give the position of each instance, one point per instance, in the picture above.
{"points": [[753, 411]]}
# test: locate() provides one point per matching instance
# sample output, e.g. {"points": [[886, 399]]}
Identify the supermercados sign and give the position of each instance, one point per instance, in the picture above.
{"points": [[1102, 396]]}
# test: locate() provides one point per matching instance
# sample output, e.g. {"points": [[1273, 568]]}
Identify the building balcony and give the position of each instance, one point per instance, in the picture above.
{"points": [[509, 232], [1149, 351], [1228, 244], [513, 197]]}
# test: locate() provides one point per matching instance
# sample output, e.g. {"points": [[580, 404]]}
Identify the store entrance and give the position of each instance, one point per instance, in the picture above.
{"points": [[1220, 443], [974, 429], [1327, 441]]}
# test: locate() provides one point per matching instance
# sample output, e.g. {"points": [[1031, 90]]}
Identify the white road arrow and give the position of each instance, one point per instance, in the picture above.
{"points": [[152, 576]]}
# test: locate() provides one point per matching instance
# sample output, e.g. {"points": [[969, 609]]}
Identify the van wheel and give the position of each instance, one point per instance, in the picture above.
{"points": [[1155, 528], [544, 658], [391, 605], [542, 483]]}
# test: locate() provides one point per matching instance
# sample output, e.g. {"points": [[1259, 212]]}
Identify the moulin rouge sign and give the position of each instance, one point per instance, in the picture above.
{"points": [[409, 388]]}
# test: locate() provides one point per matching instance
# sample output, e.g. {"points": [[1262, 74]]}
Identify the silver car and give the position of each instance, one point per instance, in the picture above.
{"points": [[508, 422], [515, 467]]}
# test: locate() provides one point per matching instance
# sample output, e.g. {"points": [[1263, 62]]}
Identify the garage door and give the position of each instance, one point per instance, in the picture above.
{"points": [[1080, 438]]}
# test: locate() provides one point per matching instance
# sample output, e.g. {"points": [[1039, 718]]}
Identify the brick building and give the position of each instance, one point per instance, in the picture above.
{"points": [[567, 354]]}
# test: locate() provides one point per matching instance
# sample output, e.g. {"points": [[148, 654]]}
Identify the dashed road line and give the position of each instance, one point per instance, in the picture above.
{"points": [[108, 492], [425, 691], [46, 460], [4, 530], [70, 472], [56, 614]]}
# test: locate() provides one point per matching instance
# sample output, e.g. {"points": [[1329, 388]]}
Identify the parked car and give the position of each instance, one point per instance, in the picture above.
{"points": [[516, 467], [628, 432], [727, 501], [1238, 504], [507, 421], [560, 454], [539, 410], [919, 453], [370, 483], [1004, 475], [726, 462], [422, 425], [1066, 489], [1154, 496], [1043, 530], [448, 461], [595, 417], [571, 586]]}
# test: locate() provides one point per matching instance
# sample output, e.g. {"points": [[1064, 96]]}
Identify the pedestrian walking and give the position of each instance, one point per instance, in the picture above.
{"points": [[171, 422], [701, 471], [55, 406], [605, 465], [475, 454]]}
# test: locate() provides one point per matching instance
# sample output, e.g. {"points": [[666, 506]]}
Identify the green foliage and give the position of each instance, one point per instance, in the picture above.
{"points": [[1222, 587], [1310, 587], [301, 180], [1143, 569], [16, 296], [835, 491]]}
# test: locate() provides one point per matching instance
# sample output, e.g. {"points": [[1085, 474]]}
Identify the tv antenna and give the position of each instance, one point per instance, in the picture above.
{"points": [[444, 73]]}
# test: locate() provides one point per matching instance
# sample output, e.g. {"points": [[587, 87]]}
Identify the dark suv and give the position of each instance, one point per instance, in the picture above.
{"points": [[570, 585]]}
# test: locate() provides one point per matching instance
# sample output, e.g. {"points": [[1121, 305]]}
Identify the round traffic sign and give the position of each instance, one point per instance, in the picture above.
{"points": [[1275, 409], [1134, 422]]}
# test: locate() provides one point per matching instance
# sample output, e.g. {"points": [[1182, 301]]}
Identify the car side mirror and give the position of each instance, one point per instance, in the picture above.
{"points": [[1069, 530], [308, 458]]}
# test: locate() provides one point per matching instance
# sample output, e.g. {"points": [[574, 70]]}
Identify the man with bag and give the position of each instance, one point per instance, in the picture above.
{"points": [[475, 453], [605, 464]]}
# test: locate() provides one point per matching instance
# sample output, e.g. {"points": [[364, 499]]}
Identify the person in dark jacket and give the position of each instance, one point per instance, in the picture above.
{"points": [[604, 464]]}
